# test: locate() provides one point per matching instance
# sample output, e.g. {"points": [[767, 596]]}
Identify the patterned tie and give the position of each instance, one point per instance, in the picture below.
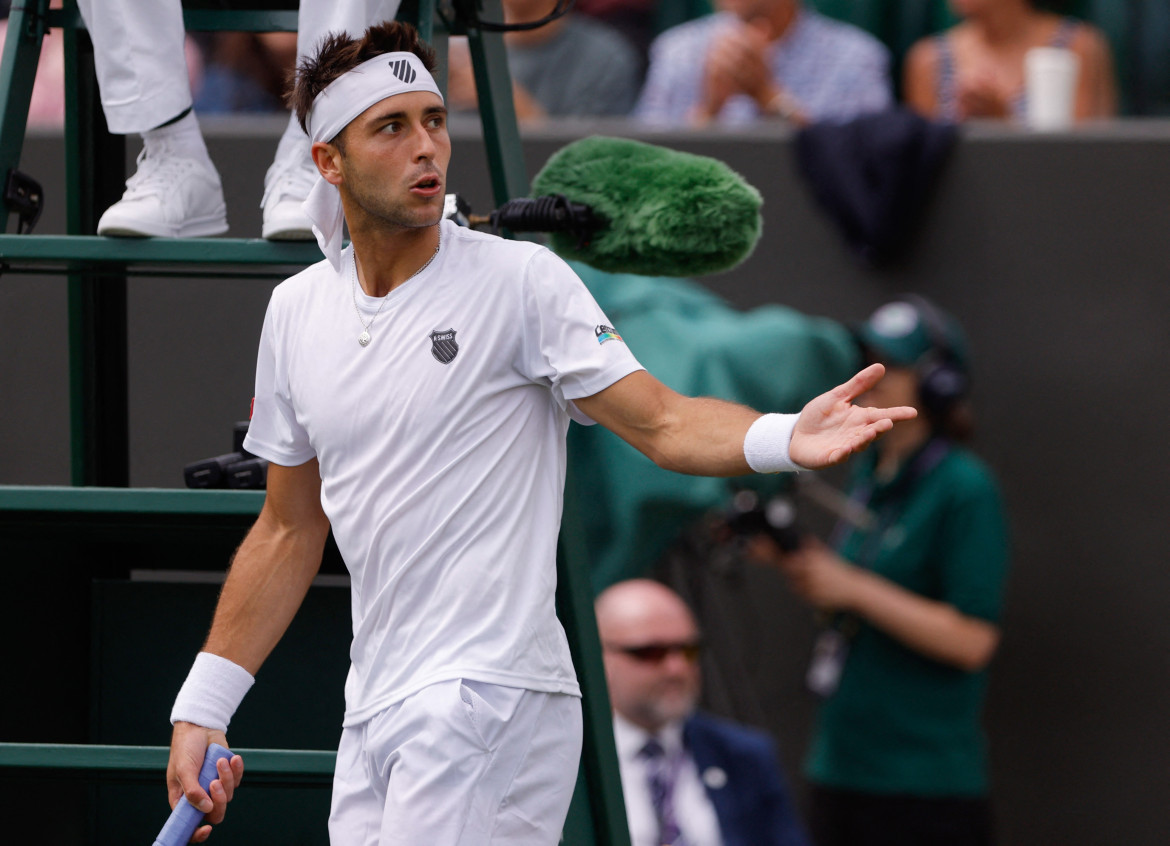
{"points": [[662, 770]]}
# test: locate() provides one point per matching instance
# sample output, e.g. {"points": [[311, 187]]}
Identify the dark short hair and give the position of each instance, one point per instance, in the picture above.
{"points": [[339, 53]]}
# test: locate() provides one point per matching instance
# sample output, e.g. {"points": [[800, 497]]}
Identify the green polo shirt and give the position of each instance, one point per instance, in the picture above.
{"points": [[900, 722]]}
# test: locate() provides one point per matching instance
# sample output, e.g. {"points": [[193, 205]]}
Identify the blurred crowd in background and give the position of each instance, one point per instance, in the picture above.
{"points": [[804, 60]]}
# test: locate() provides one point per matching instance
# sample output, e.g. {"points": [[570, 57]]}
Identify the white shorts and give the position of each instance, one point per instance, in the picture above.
{"points": [[460, 763]]}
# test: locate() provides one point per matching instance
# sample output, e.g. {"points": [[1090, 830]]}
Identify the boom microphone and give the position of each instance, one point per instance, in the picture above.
{"points": [[631, 207]]}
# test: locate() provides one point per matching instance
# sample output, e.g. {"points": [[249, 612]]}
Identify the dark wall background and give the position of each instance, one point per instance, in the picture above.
{"points": [[1051, 249]]}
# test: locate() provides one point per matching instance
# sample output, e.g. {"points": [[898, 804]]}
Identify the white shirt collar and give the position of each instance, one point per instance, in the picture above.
{"points": [[630, 738]]}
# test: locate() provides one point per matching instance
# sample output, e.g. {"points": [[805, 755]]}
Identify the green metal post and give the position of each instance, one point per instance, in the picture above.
{"points": [[18, 69], [420, 14], [497, 112], [603, 821], [99, 393]]}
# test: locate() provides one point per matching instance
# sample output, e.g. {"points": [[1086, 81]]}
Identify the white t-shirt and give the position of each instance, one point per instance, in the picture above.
{"points": [[442, 453]]}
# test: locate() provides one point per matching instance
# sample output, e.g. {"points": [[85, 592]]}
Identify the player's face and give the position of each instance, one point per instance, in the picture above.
{"points": [[394, 159], [651, 665]]}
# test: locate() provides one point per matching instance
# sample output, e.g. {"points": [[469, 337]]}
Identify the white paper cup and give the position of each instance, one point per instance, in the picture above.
{"points": [[1050, 75]]}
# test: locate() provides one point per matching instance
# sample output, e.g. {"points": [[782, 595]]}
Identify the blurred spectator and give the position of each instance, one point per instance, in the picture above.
{"points": [[640, 21], [246, 72], [755, 59], [571, 66], [687, 777], [909, 599], [976, 68]]}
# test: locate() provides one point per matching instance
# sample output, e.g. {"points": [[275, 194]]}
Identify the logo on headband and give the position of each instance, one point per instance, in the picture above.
{"points": [[401, 68]]}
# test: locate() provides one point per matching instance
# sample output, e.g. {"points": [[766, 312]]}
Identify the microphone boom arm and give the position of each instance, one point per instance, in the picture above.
{"points": [[552, 213]]}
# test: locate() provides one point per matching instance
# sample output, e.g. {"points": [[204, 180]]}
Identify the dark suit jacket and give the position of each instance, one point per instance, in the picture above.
{"points": [[739, 768]]}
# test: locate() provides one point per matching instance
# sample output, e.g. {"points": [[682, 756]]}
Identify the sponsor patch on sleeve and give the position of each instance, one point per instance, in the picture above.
{"points": [[606, 333]]}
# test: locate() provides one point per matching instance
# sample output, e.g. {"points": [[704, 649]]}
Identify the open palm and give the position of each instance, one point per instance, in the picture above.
{"points": [[831, 428]]}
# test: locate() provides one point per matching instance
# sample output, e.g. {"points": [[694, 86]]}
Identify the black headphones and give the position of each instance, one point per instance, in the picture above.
{"points": [[943, 378]]}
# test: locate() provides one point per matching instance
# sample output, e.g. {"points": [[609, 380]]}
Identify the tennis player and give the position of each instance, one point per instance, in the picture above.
{"points": [[413, 392]]}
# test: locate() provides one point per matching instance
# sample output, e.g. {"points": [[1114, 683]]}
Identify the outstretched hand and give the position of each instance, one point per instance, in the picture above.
{"points": [[831, 428]]}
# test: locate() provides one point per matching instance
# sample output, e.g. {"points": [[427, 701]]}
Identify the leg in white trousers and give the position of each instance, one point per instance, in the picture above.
{"points": [[460, 763], [140, 62]]}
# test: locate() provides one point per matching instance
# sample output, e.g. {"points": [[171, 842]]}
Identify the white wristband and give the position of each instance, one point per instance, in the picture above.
{"points": [[214, 688], [765, 446]]}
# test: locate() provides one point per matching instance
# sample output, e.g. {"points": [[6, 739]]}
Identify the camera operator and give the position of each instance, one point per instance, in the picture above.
{"points": [[910, 608]]}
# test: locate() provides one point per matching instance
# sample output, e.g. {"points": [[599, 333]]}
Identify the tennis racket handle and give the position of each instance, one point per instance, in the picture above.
{"points": [[185, 818]]}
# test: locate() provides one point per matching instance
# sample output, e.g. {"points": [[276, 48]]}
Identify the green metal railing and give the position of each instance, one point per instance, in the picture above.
{"points": [[192, 257], [280, 766], [66, 502]]}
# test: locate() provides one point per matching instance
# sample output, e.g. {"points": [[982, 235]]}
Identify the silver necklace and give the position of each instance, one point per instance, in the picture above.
{"points": [[364, 337]]}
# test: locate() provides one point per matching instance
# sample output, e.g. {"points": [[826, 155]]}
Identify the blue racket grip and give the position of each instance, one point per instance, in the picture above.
{"points": [[185, 818]]}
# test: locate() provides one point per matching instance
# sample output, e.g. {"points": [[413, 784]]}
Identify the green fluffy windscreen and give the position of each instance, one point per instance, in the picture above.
{"points": [[667, 213]]}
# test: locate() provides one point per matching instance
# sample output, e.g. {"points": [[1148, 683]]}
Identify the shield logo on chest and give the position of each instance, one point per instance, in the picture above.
{"points": [[443, 345]]}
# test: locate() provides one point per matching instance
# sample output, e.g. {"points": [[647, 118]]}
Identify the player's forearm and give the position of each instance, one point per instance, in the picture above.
{"points": [[268, 580], [934, 629], [700, 436]]}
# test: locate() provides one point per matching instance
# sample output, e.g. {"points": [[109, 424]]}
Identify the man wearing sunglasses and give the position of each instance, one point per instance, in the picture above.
{"points": [[688, 778]]}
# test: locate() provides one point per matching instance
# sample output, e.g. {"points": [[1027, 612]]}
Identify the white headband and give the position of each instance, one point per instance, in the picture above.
{"points": [[339, 103]]}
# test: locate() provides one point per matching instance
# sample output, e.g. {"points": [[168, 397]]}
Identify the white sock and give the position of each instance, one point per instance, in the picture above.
{"points": [[182, 138]]}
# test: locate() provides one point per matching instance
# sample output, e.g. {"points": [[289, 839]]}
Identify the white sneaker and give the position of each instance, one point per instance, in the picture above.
{"points": [[171, 195], [286, 185]]}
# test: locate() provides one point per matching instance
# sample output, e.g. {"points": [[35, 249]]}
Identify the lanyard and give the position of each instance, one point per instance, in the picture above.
{"points": [[925, 461]]}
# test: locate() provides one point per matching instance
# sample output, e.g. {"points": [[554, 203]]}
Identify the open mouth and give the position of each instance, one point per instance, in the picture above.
{"points": [[427, 186]]}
